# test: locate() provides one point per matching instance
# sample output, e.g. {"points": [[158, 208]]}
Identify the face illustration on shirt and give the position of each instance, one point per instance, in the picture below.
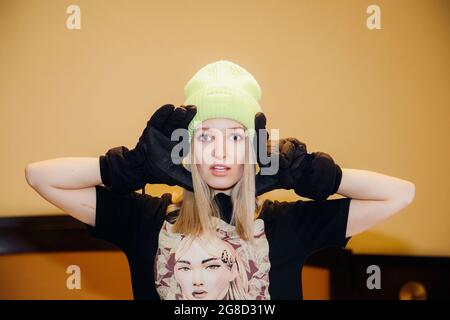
{"points": [[208, 270], [218, 267]]}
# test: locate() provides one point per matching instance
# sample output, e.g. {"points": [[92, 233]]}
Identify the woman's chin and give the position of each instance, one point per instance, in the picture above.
{"points": [[221, 185]]}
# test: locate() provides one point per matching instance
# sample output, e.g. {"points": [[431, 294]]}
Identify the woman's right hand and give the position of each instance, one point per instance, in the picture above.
{"points": [[151, 160]]}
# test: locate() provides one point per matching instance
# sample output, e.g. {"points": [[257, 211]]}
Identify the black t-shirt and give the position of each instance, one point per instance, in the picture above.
{"points": [[167, 265]]}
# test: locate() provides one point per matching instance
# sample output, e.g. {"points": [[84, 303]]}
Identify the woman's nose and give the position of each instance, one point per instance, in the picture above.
{"points": [[197, 279], [219, 147]]}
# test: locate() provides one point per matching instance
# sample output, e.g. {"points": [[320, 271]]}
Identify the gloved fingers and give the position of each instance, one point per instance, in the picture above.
{"points": [[260, 121], [159, 118], [191, 111], [261, 137], [174, 121], [287, 150], [284, 161], [323, 155], [299, 153], [300, 147]]}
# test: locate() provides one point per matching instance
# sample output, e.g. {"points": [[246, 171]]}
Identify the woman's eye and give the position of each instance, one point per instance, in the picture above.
{"points": [[204, 137], [183, 268], [213, 267], [237, 136]]}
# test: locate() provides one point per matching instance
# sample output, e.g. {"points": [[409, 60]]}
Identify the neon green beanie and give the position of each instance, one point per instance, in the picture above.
{"points": [[223, 89]]}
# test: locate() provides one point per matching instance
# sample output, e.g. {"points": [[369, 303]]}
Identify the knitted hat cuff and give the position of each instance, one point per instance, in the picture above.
{"points": [[223, 102]]}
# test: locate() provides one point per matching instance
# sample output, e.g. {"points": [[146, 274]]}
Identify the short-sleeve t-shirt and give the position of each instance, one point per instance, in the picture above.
{"points": [[168, 265]]}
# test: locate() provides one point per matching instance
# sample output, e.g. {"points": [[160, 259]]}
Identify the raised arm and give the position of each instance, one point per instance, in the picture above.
{"points": [[375, 197], [68, 183]]}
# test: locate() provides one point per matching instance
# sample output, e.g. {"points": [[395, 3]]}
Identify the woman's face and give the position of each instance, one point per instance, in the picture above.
{"points": [[219, 151], [202, 276]]}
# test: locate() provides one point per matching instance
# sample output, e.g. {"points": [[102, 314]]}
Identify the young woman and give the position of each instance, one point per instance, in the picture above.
{"points": [[216, 239]]}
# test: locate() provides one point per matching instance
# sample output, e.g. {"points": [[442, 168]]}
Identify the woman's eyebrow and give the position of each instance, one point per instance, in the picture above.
{"points": [[207, 260]]}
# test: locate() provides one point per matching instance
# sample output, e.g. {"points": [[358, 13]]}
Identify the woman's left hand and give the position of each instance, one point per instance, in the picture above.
{"points": [[315, 176]]}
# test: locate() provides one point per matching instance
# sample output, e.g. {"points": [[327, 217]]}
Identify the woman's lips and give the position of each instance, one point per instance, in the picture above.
{"points": [[219, 170], [199, 294]]}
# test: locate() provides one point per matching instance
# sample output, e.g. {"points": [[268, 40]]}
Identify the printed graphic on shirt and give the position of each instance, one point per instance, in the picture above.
{"points": [[223, 267]]}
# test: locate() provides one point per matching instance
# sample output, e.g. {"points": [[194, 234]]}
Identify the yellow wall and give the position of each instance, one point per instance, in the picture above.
{"points": [[374, 99]]}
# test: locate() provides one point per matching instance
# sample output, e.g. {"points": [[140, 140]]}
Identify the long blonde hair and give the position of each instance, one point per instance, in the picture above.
{"points": [[197, 208]]}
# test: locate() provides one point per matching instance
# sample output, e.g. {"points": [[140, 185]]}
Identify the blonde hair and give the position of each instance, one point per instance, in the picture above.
{"points": [[197, 208]]}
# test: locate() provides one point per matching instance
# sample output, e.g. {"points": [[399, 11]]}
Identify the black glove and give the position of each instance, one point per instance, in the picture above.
{"points": [[150, 161], [313, 176], [263, 183]]}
